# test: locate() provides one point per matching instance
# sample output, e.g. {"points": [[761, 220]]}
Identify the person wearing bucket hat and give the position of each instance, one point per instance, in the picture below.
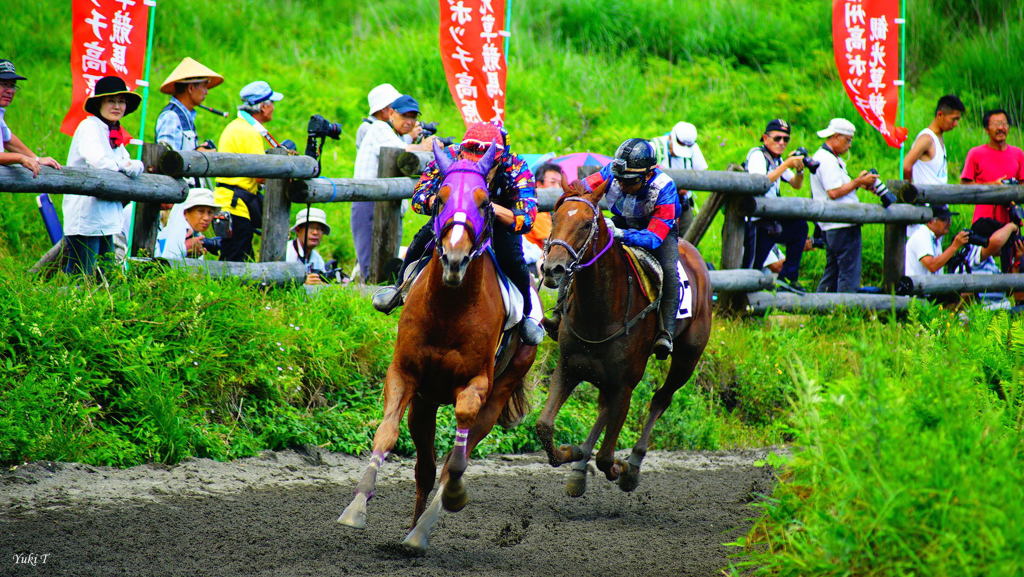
{"points": [[187, 85], [379, 98], [679, 150], [310, 227], [12, 149], [832, 183], [183, 235], [388, 129], [242, 196], [99, 141], [514, 200]]}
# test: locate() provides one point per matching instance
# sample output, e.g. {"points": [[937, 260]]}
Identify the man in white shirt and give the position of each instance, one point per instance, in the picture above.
{"points": [[12, 149], [679, 150], [831, 183], [926, 161], [924, 254]]}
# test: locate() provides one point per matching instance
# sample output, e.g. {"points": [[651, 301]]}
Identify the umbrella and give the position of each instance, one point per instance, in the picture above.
{"points": [[570, 163]]}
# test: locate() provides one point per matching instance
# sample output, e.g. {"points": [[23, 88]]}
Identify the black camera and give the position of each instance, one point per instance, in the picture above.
{"points": [[1016, 214], [212, 244], [811, 164], [882, 191], [1011, 181], [430, 129], [319, 129], [975, 238], [221, 224], [331, 273]]}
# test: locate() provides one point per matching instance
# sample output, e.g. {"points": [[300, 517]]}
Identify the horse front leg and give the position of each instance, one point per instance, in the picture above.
{"points": [[576, 484], [397, 394], [558, 392], [618, 408], [468, 404], [423, 429]]}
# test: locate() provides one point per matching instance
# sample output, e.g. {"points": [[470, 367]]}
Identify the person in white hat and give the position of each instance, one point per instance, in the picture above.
{"points": [[310, 228], [831, 183], [379, 99], [183, 235], [187, 86], [679, 150]]}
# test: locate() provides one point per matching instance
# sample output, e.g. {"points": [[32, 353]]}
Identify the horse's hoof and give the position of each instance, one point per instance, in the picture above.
{"points": [[629, 477], [416, 542], [577, 484], [454, 497], [570, 453], [355, 514]]}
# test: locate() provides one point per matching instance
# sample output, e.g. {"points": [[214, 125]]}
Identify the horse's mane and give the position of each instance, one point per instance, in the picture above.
{"points": [[576, 188]]}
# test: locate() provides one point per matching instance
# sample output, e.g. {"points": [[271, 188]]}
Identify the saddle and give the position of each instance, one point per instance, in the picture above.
{"points": [[648, 273]]}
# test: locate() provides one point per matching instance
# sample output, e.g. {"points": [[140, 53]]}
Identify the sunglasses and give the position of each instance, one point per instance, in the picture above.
{"points": [[782, 138], [475, 147]]}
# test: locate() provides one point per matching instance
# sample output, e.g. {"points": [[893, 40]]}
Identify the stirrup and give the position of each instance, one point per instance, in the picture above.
{"points": [[387, 299], [663, 346], [531, 332]]}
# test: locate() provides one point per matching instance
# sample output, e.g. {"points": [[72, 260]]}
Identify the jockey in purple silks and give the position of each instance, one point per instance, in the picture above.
{"points": [[512, 192]]}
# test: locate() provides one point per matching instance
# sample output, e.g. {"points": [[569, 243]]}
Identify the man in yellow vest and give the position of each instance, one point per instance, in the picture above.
{"points": [[241, 196]]}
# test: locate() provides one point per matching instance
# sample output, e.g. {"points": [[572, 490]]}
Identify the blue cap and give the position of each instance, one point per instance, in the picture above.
{"points": [[259, 91], [405, 103]]}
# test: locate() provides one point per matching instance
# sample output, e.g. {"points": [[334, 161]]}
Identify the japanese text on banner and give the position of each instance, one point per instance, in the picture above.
{"points": [[472, 52], [108, 39]]}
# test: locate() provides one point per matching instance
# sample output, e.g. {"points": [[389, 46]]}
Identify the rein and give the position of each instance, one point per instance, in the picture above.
{"points": [[562, 306]]}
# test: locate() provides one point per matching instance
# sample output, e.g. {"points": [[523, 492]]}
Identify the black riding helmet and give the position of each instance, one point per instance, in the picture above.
{"points": [[633, 160]]}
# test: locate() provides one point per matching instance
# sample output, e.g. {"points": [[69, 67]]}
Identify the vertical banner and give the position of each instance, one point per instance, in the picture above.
{"points": [[865, 40], [108, 39], [473, 54]]}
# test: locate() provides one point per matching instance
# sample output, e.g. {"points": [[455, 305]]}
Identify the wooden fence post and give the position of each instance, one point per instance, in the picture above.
{"points": [[733, 232], [893, 254], [147, 214], [387, 220], [276, 214]]}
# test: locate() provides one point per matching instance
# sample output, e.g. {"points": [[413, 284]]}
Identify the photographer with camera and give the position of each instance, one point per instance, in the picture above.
{"points": [[187, 86], [310, 227], [993, 163], [924, 254], [183, 236], [401, 121], [988, 238], [241, 196], [762, 234], [830, 182], [679, 150]]}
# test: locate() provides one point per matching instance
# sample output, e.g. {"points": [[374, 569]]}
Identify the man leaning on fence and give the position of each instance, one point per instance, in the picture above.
{"points": [[187, 86], [241, 196], [924, 255], [12, 149], [832, 183]]}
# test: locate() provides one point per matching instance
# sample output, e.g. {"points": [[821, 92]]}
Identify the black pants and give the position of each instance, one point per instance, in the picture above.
{"points": [[763, 234], [238, 247], [668, 257], [507, 245]]}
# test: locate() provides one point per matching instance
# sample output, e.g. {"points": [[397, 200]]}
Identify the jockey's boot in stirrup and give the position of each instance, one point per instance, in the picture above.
{"points": [[663, 345], [387, 298], [532, 333]]}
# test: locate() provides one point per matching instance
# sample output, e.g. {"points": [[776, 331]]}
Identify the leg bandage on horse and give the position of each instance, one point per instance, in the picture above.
{"points": [[461, 438]]}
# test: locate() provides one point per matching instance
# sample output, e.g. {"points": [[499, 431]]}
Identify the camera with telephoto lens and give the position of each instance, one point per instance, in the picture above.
{"points": [[809, 163], [976, 238], [331, 273], [319, 129], [882, 191], [1016, 214], [430, 129]]}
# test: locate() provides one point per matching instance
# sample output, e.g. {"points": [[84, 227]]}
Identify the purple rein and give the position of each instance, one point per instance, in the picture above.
{"points": [[463, 177]]}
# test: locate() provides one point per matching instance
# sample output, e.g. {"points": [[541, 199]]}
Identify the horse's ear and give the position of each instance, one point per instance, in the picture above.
{"points": [[487, 160], [444, 162], [598, 193]]}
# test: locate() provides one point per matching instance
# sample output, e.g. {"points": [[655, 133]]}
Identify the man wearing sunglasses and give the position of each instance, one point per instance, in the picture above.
{"points": [[514, 200], [763, 233], [12, 149], [646, 207]]}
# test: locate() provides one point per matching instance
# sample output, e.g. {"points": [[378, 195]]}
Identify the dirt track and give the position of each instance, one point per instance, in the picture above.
{"points": [[274, 516]]}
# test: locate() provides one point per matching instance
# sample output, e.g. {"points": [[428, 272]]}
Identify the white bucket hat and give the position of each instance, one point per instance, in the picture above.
{"points": [[838, 126], [312, 215], [381, 96], [199, 197]]}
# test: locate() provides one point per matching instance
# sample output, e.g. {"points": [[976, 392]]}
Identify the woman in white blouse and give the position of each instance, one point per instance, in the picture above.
{"points": [[99, 142]]}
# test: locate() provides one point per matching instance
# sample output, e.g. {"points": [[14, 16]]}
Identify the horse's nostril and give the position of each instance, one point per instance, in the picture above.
{"points": [[557, 269]]}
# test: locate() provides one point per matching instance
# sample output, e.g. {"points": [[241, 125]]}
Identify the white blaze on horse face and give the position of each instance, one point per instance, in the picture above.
{"points": [[573, 211], [458, 229]]}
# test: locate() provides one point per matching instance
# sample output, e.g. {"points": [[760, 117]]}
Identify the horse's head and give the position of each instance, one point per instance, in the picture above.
{"points": [[463, 214], [576, 224]]}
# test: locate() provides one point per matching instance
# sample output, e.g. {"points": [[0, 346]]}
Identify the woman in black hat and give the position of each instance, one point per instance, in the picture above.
{"points": [[99, 142]]}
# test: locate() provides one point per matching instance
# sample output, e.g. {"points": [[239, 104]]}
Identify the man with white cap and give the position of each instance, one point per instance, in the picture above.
{"points": [[831, 183], [310, 228], [679, 150], [187, 86], [241, 196], [12, 149], [379, 99], [183, 235]]}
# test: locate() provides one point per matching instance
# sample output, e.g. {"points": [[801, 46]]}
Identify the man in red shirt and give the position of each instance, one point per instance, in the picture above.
{"points": [[993, 162]]}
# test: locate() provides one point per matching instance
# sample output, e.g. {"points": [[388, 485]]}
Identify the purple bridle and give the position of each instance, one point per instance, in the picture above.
{"points": [[575, 255], [463, 177]]}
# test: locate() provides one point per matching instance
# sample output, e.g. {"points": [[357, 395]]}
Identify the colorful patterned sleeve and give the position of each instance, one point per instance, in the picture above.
{"points": [[525, 207], [429, 183], [663, 218]]}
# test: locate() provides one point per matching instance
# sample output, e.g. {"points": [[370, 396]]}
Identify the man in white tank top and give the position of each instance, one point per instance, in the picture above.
{"points": [[926, 161]]}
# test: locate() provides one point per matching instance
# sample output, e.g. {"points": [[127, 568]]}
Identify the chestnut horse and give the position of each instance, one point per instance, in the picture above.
{"points": [[448, 334], [606, 335]]}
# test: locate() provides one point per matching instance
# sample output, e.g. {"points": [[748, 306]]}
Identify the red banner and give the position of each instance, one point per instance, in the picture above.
{"points": [[472, 51], [865, 39], [108, 39]]}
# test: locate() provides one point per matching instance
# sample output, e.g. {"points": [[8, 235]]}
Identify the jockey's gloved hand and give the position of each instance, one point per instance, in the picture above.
{"points": [[616, 233]]}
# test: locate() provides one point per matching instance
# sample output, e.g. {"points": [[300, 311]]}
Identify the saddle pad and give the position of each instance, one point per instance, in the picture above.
{"points": [[650, 279], [513, 301]]}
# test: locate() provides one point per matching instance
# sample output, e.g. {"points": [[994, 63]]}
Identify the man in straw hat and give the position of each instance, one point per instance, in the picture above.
{"points": [[12, 149], [187, 85]]}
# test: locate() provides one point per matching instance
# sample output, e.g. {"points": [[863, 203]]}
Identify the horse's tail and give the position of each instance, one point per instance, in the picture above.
{"points": [[517, 407]]}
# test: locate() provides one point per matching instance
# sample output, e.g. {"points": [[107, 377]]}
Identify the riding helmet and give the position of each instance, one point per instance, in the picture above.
{"points": [[634, 157]]}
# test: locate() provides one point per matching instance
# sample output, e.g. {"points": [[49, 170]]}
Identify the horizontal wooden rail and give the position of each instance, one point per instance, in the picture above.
{"points": [[944, 284], [957, 193], [823, 211], [740, 280], [265, 273], [197, 163], [322, 189], [763, 302], [105, 184]]}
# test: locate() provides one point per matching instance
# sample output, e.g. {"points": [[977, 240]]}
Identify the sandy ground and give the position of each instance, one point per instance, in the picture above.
{"points": [[274, 515]]}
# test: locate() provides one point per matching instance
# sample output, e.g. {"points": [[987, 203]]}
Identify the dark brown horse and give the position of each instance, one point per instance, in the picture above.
{"points": [[448, 334], [606, 334]]}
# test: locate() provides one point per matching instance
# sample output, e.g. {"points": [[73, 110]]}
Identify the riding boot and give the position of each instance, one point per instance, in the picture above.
{"points": [[388, 298], [668, 257]]}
